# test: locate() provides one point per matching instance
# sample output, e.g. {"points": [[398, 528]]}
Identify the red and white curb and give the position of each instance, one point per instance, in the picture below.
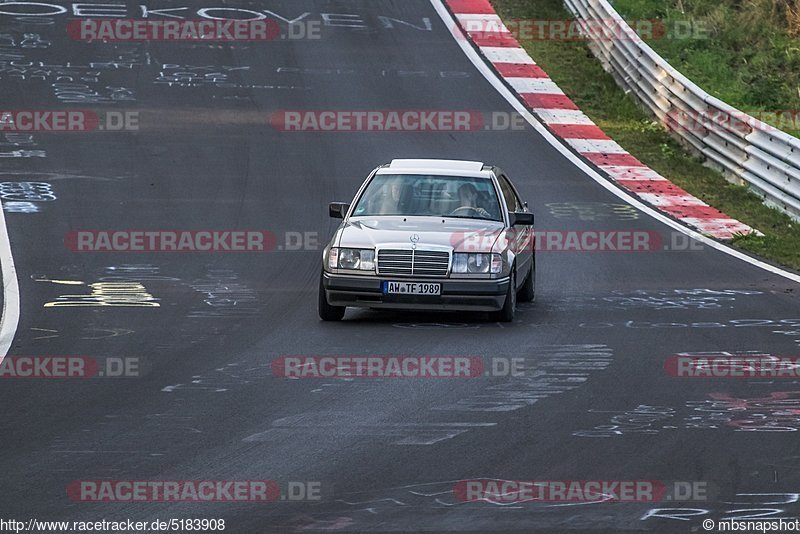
{"points": [[478, 20]]}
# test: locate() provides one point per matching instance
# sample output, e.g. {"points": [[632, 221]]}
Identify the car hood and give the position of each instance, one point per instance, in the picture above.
{"points": [[471, 235]]}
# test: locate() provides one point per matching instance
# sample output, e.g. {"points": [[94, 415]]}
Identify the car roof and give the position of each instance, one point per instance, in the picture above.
{"points": [[449, 164], [443, 167]]}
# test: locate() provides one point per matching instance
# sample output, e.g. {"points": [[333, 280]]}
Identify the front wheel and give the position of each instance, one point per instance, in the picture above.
{"points": [[506, 313], [326, 311]]}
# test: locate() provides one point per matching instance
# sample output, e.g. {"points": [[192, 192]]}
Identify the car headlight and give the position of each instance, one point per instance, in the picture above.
{"points": [[357, 259], [474, 263]]}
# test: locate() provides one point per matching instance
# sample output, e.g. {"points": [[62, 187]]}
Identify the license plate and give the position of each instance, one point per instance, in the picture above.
{"points": [[411, 288]]}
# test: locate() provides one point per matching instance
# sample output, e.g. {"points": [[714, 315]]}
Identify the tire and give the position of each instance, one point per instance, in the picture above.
{"points": [[506, 313], [527, 293], [326, 311]]}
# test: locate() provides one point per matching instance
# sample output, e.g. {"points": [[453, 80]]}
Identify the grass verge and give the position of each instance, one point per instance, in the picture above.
{"points": [[744, 52]]}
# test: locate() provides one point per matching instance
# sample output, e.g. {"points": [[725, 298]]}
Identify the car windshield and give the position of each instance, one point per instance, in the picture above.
{"points": [[438, 196]]}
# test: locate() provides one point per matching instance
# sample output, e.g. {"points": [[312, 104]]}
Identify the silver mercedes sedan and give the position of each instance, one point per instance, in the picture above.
{"points": [[429, 234]]}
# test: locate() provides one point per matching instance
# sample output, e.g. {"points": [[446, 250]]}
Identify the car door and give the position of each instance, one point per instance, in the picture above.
{"points": [[522, 234]]}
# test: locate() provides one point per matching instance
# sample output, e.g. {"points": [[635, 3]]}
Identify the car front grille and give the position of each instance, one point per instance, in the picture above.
{"points": [[413, 262]]}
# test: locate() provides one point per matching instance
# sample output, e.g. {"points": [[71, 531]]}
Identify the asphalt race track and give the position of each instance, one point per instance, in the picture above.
{"points": [[595, 402]]}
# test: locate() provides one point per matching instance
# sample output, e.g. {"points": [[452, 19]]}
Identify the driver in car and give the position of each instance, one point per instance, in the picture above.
{"points": [[468, 195]]}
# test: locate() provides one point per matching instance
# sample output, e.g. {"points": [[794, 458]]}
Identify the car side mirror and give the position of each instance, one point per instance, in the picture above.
{"points": [[337, 210], [521, 217]]}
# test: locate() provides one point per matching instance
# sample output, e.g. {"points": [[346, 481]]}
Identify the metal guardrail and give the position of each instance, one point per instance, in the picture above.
{"points": [[748, 151]]}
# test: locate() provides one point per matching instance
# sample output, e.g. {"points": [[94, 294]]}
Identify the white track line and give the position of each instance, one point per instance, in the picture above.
{"points": [[10, 318], [492, 78]]}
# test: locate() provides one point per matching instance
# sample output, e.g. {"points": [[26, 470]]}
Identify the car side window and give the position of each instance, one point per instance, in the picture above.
{"points": [[513, 203]]}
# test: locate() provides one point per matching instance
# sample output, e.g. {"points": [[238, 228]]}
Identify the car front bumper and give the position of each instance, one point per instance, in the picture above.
{"points": [[456, 294]]}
